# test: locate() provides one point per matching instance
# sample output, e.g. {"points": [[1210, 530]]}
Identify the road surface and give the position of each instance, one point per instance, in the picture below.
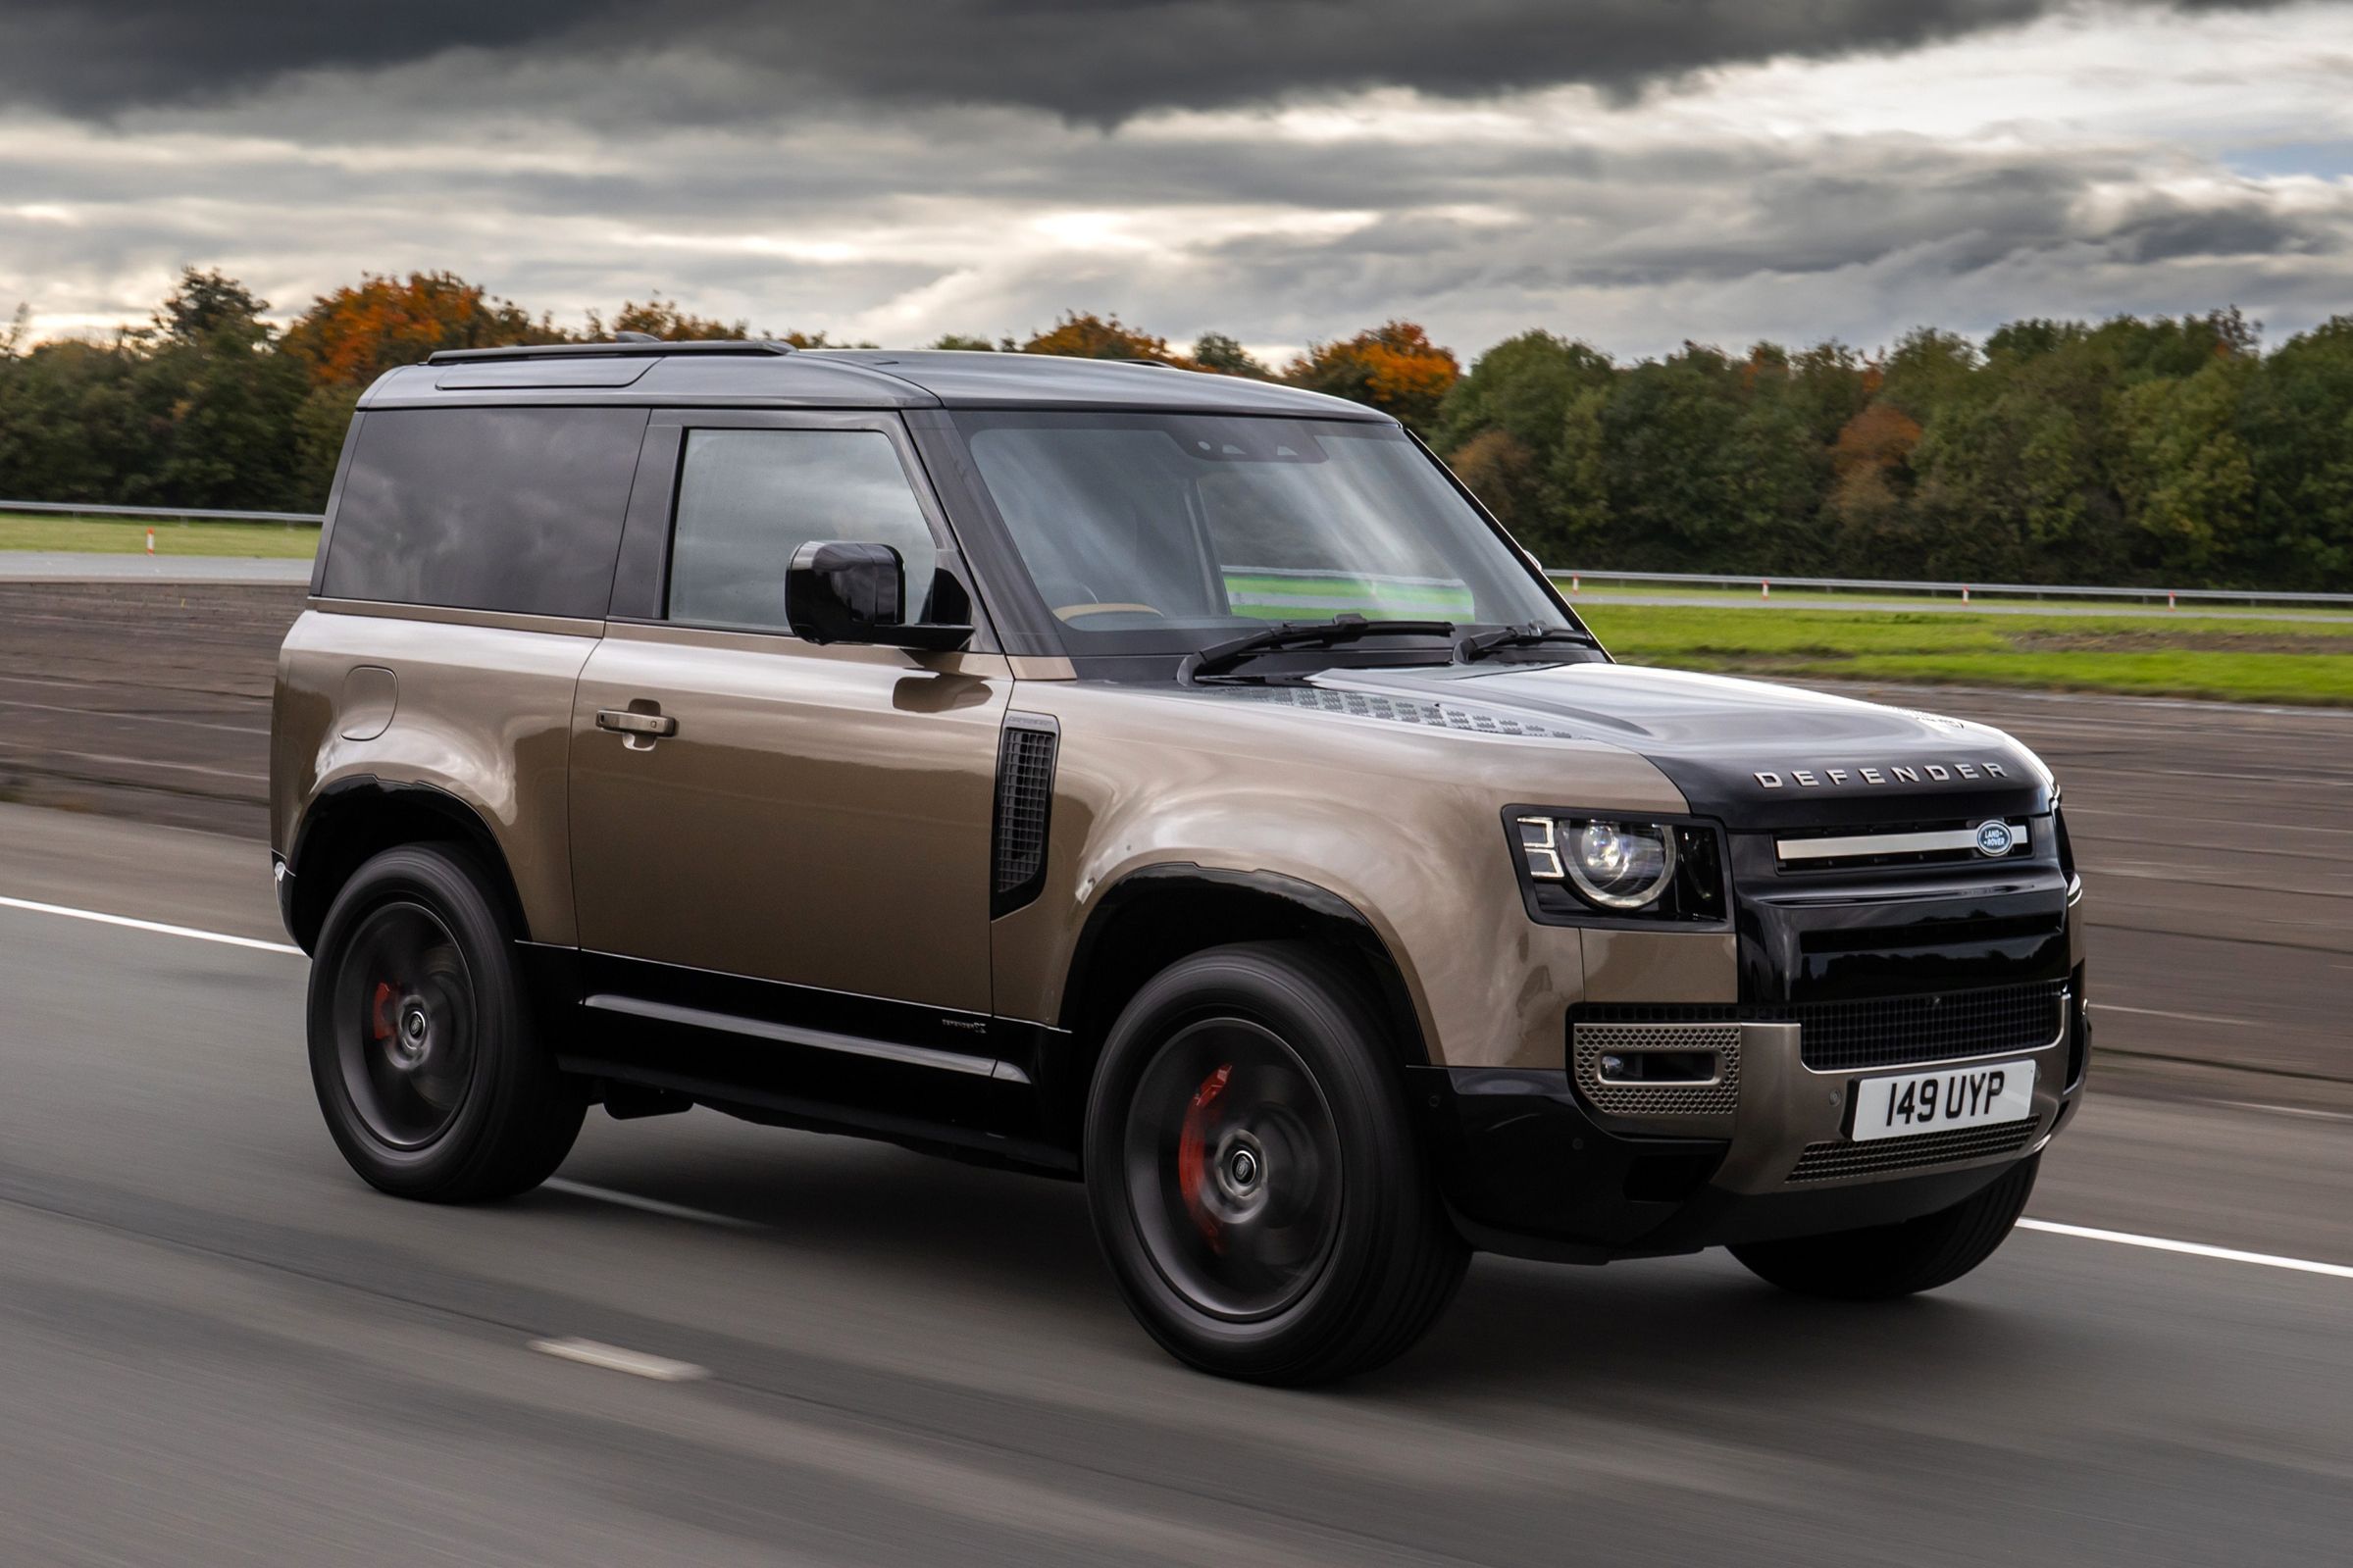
{"points": [[222, 1348]]}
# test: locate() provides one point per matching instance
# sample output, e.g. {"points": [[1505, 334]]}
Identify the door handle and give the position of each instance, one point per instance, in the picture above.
{"points": [[638, 730]]}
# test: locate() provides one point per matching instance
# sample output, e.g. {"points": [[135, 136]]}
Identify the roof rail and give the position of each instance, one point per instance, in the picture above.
{"points": [[618, 350]]}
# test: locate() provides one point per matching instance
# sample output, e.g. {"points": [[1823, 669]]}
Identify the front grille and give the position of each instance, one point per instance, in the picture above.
{"points": [[1897, 1030], [1591, 1041], [1828, 1162], [1907, 843]]}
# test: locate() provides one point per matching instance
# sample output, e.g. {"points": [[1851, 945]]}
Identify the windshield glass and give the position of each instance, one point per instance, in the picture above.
{"points": [[1149, 532]]}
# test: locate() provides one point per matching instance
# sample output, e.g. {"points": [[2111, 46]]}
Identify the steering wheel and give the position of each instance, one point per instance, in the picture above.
{"points": [[1079, 612]]}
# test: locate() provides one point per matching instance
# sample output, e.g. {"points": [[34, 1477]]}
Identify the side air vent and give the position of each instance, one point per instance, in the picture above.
{"points": [[1025, 794]]}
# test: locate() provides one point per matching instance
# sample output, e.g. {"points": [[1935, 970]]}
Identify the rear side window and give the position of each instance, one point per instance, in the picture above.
{"points": [[747, 499], [515, 509]]}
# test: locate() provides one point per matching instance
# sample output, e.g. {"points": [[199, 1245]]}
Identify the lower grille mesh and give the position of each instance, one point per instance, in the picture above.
{"points": [[1892, 1030], [1879, 1031], [1828, 1162]]}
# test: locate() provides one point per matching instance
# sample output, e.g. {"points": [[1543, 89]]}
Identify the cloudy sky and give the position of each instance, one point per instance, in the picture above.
{"points": [[1629, 171]]}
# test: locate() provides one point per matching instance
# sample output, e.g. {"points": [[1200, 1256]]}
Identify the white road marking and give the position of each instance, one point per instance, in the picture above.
{"points": [[158, 927], [637, 1363], [2197, 1249], [2158, 1012], [2289, 1110], [651, 1205]]}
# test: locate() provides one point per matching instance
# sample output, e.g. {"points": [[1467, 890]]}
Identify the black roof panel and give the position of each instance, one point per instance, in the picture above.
{"points": [[970, 379], [767, 374]]}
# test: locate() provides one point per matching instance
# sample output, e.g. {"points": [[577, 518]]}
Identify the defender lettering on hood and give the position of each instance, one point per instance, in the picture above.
{"points": [[1909, 773]]}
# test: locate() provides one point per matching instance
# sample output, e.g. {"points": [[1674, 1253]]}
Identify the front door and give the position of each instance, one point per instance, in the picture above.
{"points": [[781, 851]]}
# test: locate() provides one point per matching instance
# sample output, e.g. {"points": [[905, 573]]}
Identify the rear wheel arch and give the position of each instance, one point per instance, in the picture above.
{"points": [[1159, 915], [354, 820]]}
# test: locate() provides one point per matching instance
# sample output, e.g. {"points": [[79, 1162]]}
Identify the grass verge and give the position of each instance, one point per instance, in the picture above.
{"points": [[98, 536], [2240, 661]]}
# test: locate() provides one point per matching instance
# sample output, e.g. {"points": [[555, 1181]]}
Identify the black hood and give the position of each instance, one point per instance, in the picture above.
{"points": [[1751, 754]]}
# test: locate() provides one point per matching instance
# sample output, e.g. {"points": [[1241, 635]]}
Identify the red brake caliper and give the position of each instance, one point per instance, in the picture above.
{"points": [[375, 1010], [1193, 1152]]}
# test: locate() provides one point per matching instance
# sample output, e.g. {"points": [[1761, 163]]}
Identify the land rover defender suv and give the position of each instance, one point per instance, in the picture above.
{"points": [[1158, 779]]}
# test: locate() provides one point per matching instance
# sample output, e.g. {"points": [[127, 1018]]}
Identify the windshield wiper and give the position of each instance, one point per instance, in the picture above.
{"points": [[1474, 648], [1307, 635]]}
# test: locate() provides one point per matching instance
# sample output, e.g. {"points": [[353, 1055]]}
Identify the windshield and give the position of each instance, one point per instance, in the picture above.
{"points": [[1149, 532]]}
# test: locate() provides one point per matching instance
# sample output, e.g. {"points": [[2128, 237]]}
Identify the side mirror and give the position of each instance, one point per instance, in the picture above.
{"points": [[839, 592]]}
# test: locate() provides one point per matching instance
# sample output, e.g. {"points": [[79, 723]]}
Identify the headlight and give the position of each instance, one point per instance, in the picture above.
{"points": [[1579, 868], [1618, 865]]}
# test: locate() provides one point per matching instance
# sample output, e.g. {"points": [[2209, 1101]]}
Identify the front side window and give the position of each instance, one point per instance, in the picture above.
{"points": [[748, 498], [1153, 532]]}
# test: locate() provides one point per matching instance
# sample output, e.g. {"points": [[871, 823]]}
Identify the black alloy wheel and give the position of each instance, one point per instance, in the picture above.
{"points": [[1233, 1168], [1254, 1176], [433, 1080], [405, 1019]]}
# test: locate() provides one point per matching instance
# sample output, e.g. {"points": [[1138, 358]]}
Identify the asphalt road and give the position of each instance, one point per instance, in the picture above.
{"points": [[219, 1347]]}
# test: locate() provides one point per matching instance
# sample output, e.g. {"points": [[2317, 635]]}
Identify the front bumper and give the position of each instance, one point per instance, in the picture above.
{"points": [[1530, 1164]]}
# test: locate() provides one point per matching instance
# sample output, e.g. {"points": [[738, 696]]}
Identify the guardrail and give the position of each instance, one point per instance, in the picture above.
{"points": [[184, 514], [1764, 584]]}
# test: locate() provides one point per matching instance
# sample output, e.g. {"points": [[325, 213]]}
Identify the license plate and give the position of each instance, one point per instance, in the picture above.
{"points": [[1937, 1102]]}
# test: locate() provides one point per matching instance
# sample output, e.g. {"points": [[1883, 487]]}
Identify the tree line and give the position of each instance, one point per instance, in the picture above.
{"points": [[2171, 452]]}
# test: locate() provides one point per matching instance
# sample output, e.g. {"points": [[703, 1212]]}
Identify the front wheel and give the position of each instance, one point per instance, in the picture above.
{"points": [[1253, 1176], [432, 1081], [1901, 1259]]}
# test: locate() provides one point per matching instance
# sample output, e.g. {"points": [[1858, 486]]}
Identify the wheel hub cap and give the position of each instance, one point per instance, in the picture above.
{"points": [[414, 1042], [1235, 1169], [405, 1024]]}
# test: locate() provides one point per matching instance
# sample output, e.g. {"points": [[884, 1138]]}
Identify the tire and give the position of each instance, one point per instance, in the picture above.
{"points": [[1254, 1180], [1903, 1259], [433, 1081]]}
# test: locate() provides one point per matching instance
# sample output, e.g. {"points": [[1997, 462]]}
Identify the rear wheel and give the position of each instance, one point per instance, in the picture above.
{"points": [[1253, 1176], [1903, 1259], [432, 1081]]}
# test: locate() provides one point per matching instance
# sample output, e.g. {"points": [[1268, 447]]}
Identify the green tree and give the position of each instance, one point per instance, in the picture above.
{"points": [[2188, 477], [1522, 387], [1214, 351], [219, 403], [2299, 433]]}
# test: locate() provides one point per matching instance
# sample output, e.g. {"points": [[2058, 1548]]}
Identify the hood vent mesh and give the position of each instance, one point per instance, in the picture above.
{"points": [[1395, 710]]}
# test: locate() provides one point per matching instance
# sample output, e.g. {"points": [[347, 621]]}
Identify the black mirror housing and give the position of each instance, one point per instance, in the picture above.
{"points": [[836, 590]]}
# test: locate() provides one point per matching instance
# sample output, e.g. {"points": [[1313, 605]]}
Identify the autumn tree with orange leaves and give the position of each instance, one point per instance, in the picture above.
{"points": [[351, 336], [1086, 336], [1393, 367]]}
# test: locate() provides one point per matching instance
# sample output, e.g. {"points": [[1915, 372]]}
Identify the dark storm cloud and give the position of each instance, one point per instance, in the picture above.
{"points": [[2173, 233], [97, 58], [1098, 62]]}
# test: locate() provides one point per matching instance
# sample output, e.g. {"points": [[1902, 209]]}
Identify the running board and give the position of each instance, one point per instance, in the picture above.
{"points": [[813, 1038]]}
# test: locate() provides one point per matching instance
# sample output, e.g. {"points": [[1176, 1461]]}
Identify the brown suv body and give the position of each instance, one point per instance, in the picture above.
{"points": [[907, 890]]}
